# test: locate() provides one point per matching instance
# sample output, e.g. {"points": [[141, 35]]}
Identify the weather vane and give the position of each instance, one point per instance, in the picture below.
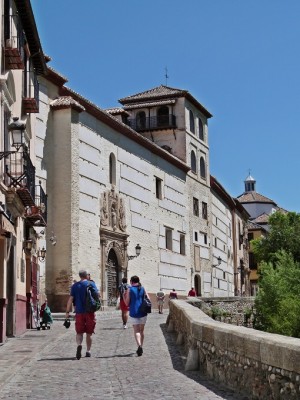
{"points": [[166, 76]]}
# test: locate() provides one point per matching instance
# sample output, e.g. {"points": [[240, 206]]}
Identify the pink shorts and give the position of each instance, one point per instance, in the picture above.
{"points": [[85, 323], [123, 306]]}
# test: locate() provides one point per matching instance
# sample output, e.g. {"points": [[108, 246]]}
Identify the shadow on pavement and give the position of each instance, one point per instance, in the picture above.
{"points": [[178, 360], [58, 359], [118, 355]]}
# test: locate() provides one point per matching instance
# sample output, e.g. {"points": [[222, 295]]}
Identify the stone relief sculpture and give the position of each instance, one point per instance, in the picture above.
{"points": [[112, 211], [104, 211]]}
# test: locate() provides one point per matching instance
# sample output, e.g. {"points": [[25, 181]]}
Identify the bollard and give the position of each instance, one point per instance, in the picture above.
{"points": [[192, 362]]}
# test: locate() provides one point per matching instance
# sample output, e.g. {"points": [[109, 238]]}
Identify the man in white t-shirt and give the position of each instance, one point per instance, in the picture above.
{"points": [[160, 297]]}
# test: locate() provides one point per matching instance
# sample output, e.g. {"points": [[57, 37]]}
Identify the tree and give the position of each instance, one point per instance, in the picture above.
{"points": [[277, 303], [284, 235]]}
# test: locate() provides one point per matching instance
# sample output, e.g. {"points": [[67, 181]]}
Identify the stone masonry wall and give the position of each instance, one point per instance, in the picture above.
{"points": [[252, 363]]}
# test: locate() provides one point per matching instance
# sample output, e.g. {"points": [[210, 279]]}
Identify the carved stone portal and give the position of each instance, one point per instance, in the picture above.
{"points": [[112, 214], [113, 239]]}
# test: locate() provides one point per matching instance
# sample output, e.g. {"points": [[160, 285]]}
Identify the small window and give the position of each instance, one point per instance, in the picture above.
{"points": [[202, 168], [182, 244], [158, 188], [196, 207], [216, 242], [112, 169], [192, 122], [141, 120], [250, 236], [193, 162], [163, 116], [204, 210], [169, 234], [205, 238], [200, 127], [196, 236]]}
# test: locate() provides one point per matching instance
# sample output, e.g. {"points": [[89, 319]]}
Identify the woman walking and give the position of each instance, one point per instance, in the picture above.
{"points": [[133, 298]]}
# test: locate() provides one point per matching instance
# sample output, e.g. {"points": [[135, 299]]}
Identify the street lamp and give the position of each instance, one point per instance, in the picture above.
{"points": [[137, 251], [219, 261], [42, 254], [17, 129]]}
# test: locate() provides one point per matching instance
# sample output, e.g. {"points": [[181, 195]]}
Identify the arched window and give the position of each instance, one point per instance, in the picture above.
{"points": [[193, 162], [192, 122], [201, 129], [202, 168], [112, 169], [163, 116], [141, 120]]}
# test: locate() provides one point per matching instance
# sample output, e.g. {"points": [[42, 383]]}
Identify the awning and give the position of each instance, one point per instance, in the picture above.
{"points": [[6, 226]]}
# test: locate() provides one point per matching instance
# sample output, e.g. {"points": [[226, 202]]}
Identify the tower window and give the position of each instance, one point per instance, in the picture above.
{"points": [[200, 127], [169, 239], [158, 188], [112, 169], [204, 210], [163, 116], [182, 244], [193, 162], [192, 122], [202, 168], [196, 207]]}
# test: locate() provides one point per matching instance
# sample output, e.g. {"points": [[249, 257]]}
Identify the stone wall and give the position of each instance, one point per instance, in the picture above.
{"points": [[252, 363]]}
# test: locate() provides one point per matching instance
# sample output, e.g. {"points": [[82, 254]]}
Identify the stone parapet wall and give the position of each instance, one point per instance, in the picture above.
{"points": [[252, 363]]}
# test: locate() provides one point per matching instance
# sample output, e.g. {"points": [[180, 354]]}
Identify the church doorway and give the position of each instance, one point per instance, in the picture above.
{"points": [[113, 278], [197, 281]]}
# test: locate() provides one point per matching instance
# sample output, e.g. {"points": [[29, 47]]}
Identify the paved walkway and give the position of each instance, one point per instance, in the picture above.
{"points": [[42, 364]]}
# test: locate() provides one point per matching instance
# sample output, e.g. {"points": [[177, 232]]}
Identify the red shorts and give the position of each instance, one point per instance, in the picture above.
{"points": [[85, 323], [123, 306]]}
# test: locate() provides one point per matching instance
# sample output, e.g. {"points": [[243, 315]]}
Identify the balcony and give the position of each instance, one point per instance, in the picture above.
{"points": [[14, 41], [152, 123], [31, 92], [20, 174]]}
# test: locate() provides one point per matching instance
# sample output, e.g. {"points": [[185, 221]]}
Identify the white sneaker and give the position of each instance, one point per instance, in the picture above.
{"points": [[125, 326]]}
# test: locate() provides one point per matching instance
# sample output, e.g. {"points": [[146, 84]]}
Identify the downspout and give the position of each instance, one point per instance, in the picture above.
{"points": [[235, 271]]}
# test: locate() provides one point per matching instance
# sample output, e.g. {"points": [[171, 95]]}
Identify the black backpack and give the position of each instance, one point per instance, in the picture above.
{"points": [[92, 301]]}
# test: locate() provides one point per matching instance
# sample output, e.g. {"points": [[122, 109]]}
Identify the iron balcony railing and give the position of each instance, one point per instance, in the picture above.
{"points": [[30, 92], [20, 174], [13, 34], [41, 200], [152, 123]]}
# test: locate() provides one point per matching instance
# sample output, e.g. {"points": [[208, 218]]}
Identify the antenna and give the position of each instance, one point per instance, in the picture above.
{"points": [[166, 76]]}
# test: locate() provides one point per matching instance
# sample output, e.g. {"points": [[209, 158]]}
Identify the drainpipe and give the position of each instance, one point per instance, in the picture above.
{"points": [[235, 271]]}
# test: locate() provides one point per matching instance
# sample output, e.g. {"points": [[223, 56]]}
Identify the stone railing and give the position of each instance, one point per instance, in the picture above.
{"points": [[252, 363]]}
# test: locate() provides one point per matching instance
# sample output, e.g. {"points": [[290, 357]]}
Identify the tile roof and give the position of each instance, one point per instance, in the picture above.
{"points": [[163, 92], [261, 219], [157, 92], [149, 104], [66, 102], [116, 111], [252, 225], [254, 197]]}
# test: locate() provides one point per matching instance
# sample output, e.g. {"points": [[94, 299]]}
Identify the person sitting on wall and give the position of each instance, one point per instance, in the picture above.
{"points": [[173, 295], [192, 293]]}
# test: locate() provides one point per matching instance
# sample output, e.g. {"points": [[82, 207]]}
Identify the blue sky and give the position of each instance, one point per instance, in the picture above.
{"points": [[239, 58]]}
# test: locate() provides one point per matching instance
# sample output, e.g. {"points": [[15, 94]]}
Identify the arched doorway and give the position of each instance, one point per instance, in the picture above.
{"points": [[197, 284], [112, 278]]}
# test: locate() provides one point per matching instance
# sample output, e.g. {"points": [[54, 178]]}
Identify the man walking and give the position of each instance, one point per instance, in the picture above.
{"points": [[85, 322], [160, 297], [124, 308]]}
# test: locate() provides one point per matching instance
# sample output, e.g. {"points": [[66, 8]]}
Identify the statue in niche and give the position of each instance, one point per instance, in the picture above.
{"points": [[122, 222], [104, 212], [114, 215]]}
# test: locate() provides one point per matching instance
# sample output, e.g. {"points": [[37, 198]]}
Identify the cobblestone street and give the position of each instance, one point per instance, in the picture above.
{"points": [[42, 364]]}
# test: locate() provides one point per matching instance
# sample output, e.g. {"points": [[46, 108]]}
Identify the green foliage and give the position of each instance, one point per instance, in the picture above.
{"points": [[217, 312], [284, 234], [278, 302]]}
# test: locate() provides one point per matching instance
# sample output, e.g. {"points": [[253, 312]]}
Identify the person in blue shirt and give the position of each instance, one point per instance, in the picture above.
{"points": [[133, 298], [85, 322]]}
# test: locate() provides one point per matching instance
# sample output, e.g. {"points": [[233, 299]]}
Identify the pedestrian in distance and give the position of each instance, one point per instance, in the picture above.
{"points": [[160, 297], [173, 295], [124, 308], [85, 322], [134, 297], [192, 293]]}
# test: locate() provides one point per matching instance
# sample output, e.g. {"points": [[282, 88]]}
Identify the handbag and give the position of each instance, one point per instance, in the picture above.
{"points": [[146, 305]]}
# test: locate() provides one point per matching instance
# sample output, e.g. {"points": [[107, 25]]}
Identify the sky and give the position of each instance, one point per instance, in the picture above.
{"points": [[239, 58]]}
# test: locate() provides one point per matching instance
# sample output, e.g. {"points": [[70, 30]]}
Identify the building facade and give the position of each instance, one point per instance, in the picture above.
{"points": [[23, 200]]}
